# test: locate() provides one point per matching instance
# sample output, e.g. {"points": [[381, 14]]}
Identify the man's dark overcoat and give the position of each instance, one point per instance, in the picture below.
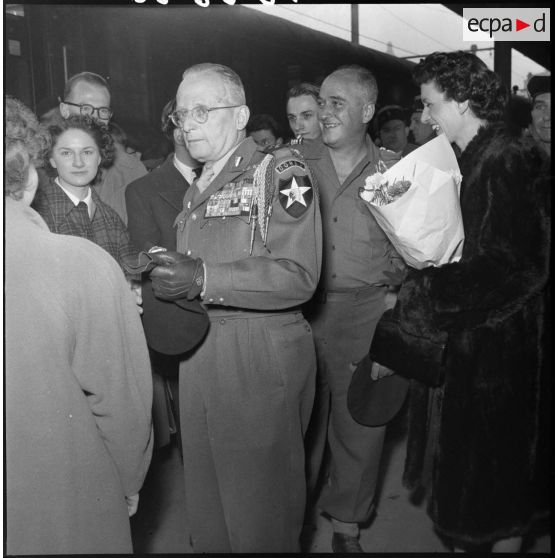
{"points": [[481, 443], [153, 202]]}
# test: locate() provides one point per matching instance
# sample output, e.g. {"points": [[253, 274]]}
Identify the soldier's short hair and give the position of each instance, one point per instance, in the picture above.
{"points": [[304, 88], [365, 79]]}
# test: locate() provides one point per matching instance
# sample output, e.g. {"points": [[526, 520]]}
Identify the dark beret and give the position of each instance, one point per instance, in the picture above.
{"points": [[538, 85], [391, 112]]}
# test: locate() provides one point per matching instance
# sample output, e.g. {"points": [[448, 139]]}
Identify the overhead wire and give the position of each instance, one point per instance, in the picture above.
{"points": [[432, 7], [299, 14], [413, 27]]}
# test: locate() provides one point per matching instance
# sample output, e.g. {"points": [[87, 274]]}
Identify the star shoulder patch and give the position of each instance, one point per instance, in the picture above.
{"points": [[296, 194]]}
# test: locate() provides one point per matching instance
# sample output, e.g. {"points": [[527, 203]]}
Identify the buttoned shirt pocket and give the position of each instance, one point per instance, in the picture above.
{"points": [[368, 239]]}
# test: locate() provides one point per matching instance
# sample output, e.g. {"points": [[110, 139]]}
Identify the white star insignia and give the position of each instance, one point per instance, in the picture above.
{"points": [[295, 193]]}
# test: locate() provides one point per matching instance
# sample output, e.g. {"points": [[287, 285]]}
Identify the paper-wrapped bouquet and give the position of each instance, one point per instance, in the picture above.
{"points": [[416, 202]]}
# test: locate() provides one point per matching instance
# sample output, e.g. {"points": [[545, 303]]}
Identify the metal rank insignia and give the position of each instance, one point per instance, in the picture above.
{"points": [[232, 200]]}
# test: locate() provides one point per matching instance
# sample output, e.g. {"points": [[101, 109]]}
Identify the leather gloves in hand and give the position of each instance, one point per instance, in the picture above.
{"points": [[176, 276]]}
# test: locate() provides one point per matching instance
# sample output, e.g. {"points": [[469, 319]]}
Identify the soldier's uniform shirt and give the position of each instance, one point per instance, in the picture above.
{"points": [[343, 315], [246, 393]]}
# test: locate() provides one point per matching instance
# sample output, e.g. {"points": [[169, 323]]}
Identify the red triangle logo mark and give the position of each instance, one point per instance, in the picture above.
{"points": [[519, 25]]}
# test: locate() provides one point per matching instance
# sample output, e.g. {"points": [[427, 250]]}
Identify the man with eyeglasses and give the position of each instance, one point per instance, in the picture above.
{"points": [[350, 301], [88, 94], [249, 244]]}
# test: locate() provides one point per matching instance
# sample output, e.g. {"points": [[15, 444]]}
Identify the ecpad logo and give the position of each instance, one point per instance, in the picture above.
{"points": [[506, 24], [493, 25]]}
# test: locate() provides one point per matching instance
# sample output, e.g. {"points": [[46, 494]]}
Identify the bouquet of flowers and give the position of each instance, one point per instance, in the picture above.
{"points": [[378, 189], [416, 202]]}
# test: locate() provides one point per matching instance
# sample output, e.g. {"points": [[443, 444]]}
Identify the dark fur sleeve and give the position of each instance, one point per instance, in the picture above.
{"points": [[506, 252]]}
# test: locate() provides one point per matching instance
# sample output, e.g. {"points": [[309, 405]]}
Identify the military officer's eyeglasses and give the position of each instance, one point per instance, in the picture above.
{"points": [[88, 110], [200, 114]]}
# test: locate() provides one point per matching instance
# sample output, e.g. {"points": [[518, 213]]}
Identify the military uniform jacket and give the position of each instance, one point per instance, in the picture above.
{"points": [[279, 275]]}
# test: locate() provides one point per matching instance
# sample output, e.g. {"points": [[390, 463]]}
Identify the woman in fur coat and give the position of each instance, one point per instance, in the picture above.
{"points": [[480, 445]]}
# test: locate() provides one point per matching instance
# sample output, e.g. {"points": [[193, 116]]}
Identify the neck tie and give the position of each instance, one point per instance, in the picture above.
{"points": [[83, 212], [84, 221], [205, 178]]}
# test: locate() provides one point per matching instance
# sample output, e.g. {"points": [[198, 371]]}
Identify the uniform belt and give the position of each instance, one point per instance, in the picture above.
{"points": [[218, 312], [353, 293]]}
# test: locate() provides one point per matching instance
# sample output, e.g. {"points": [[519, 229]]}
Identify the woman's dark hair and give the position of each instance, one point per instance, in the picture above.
{"points": [[98, 132], [462, 76], [263, 122], [117, 133], [24, 142]]}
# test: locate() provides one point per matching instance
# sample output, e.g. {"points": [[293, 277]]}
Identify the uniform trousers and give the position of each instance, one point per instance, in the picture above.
{"points": [[246, 396], [343, 324]]}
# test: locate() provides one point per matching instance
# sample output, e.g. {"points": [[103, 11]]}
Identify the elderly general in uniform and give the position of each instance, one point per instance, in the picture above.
{"points": [[249, 244]]}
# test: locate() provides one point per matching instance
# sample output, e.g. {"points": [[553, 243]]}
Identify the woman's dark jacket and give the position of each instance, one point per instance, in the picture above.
{"points": [[482, 444]]}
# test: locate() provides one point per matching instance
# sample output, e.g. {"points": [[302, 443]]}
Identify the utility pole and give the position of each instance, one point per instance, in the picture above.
{"points": [[503, 61], [354, 24]]}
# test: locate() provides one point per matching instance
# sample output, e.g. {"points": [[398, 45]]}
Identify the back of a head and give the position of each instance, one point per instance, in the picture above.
{"points": [[231, 80], [24, 142], [118, 134], [462, 76], [85, 77]]}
